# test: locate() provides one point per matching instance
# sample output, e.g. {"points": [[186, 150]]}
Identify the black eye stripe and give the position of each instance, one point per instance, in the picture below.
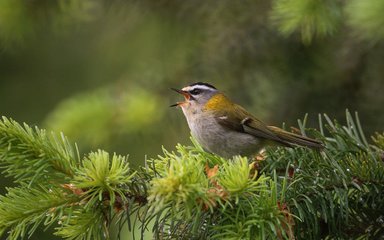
{"points": [[195, 91]]}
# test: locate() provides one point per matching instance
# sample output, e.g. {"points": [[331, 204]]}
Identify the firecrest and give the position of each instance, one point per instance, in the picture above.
{"points": [[226, 129]]}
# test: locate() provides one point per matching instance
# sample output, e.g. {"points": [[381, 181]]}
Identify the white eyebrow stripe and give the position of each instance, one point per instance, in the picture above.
{"points": [[203, 87]]}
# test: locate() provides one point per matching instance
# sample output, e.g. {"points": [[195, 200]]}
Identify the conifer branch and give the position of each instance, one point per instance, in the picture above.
{"points": [[23, 209], [29, 154], [325, 188], [289, 193]]}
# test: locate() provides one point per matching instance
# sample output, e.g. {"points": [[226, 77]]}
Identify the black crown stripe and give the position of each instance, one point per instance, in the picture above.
{"points": [[202, 83]]}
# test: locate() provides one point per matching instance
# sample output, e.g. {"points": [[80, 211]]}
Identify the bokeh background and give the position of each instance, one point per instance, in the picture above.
{"points": [[100, 70]]}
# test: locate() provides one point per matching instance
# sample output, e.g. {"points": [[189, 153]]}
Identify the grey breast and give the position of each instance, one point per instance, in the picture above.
{"points": [[221, 140]]}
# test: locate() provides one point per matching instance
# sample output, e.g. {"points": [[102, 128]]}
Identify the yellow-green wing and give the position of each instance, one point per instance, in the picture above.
{"points": [[238, 119]]}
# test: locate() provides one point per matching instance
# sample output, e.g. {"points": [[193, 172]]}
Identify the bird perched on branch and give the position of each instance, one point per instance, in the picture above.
{"points": [[227, 129]]}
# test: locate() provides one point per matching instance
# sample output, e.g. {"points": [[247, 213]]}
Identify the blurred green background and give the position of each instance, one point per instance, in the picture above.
{"points": [[100, 71]]}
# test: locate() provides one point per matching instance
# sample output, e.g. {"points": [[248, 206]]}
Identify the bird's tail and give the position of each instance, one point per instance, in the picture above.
{"points": [[292, 138]]}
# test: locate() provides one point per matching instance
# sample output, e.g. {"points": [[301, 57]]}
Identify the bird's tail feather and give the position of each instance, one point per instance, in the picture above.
{"points": [[292, 138]]}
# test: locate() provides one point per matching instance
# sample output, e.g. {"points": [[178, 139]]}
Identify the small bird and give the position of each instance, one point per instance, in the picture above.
{"points": [[227, 129]]}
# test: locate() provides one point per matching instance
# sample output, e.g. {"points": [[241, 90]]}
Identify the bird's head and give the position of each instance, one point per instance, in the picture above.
{"points": [[196, 96]]}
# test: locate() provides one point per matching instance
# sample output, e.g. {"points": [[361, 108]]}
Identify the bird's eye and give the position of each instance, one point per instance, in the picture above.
{"points": [[195, 91]]}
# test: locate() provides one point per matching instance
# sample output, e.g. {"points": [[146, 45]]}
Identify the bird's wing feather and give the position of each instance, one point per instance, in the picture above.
{"points": [[240, 120]]}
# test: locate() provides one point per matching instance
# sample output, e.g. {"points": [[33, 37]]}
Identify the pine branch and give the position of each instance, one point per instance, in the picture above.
{"points": [[99, 176], [56, 186], [23, 209], [92, 221], [233, 200], [323, 186], [366, 18], [192, 194], [311, 18], [29, 154]]}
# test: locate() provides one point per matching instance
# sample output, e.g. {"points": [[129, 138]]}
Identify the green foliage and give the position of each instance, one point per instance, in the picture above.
{"points": [[55, 187], [28, 154], [310, 18], [236, 179], [366, 17], [331, 191], [191, 194], [181, 182], [127, 111], [100, 175], [379, 140], [82, 224], [228, 201], [254, 214], [315, 18], [23, 209]]}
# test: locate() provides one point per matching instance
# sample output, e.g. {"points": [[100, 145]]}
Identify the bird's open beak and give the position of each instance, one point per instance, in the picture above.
{"points": [[186, 95]]}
